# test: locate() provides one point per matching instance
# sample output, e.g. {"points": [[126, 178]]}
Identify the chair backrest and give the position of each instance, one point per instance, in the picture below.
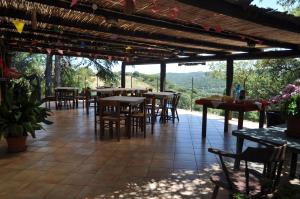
{"points": [[109, 108], [178, 95], [272, 157]]}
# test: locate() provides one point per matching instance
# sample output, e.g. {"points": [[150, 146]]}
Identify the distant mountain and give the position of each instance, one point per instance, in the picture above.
{"points": [[202, 80]]}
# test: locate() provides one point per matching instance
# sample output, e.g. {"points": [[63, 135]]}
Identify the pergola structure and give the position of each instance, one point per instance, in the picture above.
{"points": [[150, 31]]}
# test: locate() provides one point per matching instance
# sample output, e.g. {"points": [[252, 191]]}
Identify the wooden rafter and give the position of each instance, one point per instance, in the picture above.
{"points": [[20, 14], [247, 13], [144, 19]]}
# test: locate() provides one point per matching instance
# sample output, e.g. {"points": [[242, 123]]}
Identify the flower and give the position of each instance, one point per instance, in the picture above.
{"points": [[289, 100]]}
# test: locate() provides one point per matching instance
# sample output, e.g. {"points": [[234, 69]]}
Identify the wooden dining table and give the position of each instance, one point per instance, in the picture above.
{"points": [[240, 107], [66, 93], [110, 92], [130, 102]]}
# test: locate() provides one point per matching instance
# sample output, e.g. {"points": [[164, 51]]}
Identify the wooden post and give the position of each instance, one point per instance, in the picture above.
{"points": [[229, 76], [192, 94], [162, 76], [229, 80], [123, 70]]}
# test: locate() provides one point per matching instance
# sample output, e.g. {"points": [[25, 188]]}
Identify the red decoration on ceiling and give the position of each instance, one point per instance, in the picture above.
{"points": [[155, 8], [34, 43], [218, 28], [73, 3], [205, 27], [48, 50], [60, 51], [174, 12], [9, 72]]}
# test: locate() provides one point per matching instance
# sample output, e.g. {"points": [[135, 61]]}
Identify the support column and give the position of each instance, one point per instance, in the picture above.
{"points": [[229, 76], [162, 76], [229, 80], [123, 70]]}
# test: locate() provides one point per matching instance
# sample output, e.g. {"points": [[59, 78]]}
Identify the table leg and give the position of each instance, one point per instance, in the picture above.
{"points": [[87, 105], [239, 149], [164, 110], [262, 115], [144, 119], [240, 119], [129, 123], [226, 121], [293, 166], [204, 121]]}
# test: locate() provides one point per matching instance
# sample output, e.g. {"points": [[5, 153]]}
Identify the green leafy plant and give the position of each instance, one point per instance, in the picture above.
{"points": [[21, 113], [240, 196]]}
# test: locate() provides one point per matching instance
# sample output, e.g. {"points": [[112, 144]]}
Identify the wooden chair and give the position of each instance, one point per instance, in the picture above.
{"points": [[249, 181], [109, 115], [138, 118], [47, 100], [172, 106], [151, 108]]}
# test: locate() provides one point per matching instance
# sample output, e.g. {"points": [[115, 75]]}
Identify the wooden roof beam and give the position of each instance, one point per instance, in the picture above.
{"points": [[100, 41], [46, 39], [20, 14], [27, 45], [245, 56], [255, 15], [148, 20]]}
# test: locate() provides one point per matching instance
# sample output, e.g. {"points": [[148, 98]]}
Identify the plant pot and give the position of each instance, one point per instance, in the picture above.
{"points": [[274, 118], [293, 128], [16, 144]]}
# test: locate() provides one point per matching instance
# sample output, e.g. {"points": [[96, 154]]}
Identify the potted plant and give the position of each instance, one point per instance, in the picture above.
{"points": [[289, 103], [20, 115]]}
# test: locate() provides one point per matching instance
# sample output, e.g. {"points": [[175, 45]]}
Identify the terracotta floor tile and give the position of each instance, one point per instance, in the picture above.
{"points": [[66, 161], [35, 190], [64, 192], [28, 176], [77, 179]]}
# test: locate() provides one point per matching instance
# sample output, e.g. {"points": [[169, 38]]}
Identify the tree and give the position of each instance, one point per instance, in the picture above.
{"points": [[57, 70], [28, 63], [48, 76]]}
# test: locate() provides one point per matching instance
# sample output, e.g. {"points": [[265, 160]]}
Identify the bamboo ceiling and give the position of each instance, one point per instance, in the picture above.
{"points": [[155, 30]]}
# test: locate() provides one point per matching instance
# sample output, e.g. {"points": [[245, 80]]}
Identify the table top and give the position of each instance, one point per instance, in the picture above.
{"points": [[66, 88], [273, 135], [159, 94], [125, 99], [232, 106], [116, 89]]}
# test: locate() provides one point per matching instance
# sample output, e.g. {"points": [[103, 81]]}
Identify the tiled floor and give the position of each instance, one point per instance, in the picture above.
{"points": [[66, 161]]}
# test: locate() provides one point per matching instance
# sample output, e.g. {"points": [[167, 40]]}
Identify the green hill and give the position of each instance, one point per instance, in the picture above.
{"points": [[202, 80], [204, 85]]}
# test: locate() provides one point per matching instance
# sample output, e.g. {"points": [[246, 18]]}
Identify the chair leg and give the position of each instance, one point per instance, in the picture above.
{"points": [[118, 130], [101, 129], [173, 115], [177, 115], [111, 126], [215, 192]]}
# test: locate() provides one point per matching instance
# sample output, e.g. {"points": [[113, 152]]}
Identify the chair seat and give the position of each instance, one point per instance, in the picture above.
{"points": [[239, 182], [112, 118]]}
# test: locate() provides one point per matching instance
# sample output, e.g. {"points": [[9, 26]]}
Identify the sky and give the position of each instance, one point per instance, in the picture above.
{"points": [[174, 68]]}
